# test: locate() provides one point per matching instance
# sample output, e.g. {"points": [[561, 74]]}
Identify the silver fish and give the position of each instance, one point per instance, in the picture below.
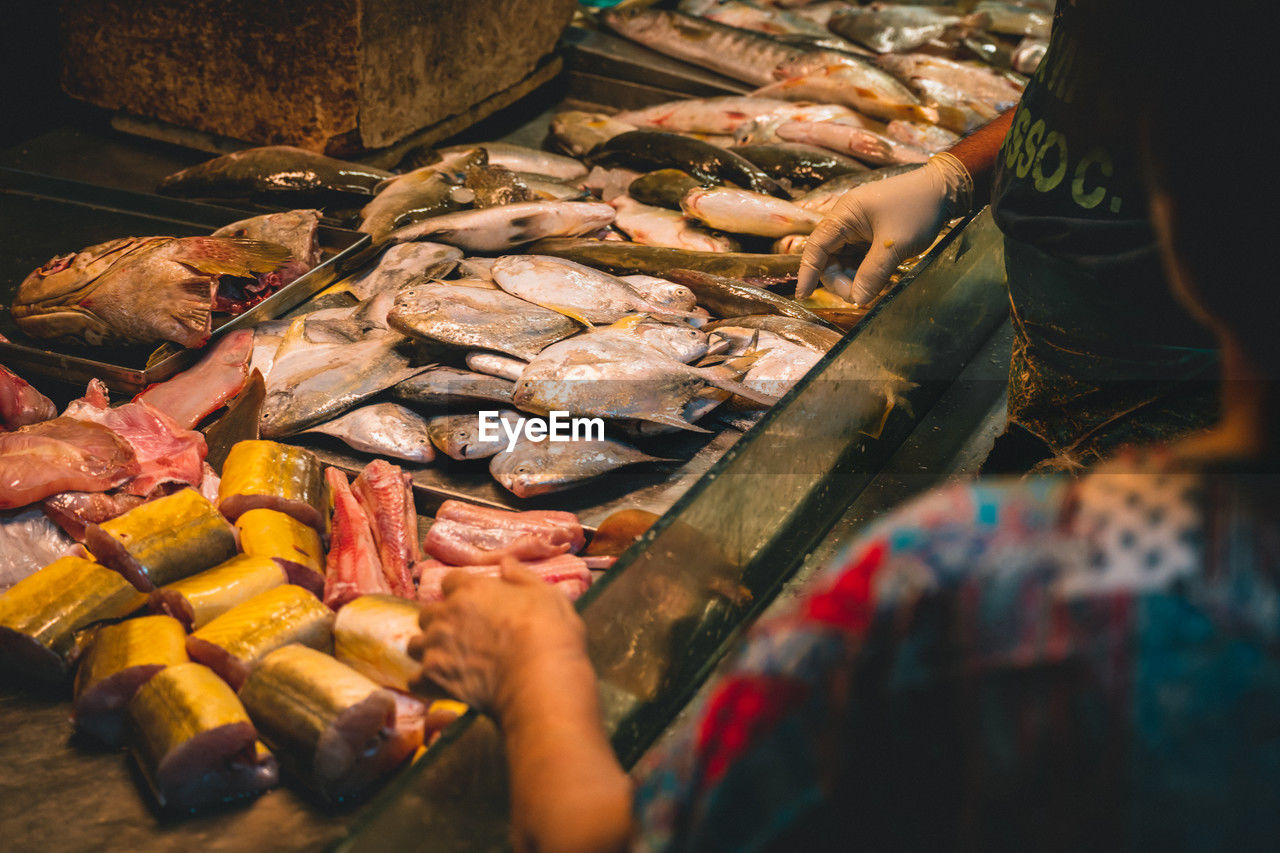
{"points": [[400, 265], [496, 365], [383, 429], [420, 194], [577, 132], [586, 294], [779, 363], [537, 468], [677, 340], [496, 229], [475, 318], [458, 436], [662, 292], [658, 226], [746, 212], [518, 158], [440, 387]]}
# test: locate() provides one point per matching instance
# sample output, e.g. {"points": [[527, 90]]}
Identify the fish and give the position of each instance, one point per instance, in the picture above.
{"points": [[799, 164], [731, 298], [383, 429], [233, 643], [1028, 55], [566, 572], [476, 268], [493, 364], [293, 546], [738, 54], [658, 226], [543, 188], [473, 318], [239, 422], [791, 244], [296, 230], [400, 265], [760, 18], [196, 600], [539, 468], [724, 114], [927, 137], [194, 741], [576, 132], [44, 615], [518, 158], [371, 635], [459, 437], [674, 339], [852, 81], [29, 541], [745, 212], [1013, 19], [71, 511], [443, 387], [628, 259], [496, 229], [817, 338], [968, 94], [492, 186], [657, 149], [201, 390], [277, 172], [780, 363], [662, 292], [865, 145], [420, 194], [163, 540], [352, 566], [336, 730], [893, 28], [578, 291], [20, 403], [494, 534], [823, 198], [385, 493], [268, 475], [142, 290], [60, 455], [665, 188], [122, 658]]}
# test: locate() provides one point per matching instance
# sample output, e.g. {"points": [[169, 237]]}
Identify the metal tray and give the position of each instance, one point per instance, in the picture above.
{"points": [[42, 216]]}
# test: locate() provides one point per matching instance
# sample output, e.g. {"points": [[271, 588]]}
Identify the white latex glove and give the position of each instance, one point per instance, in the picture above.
{"points": [[897, 217]]}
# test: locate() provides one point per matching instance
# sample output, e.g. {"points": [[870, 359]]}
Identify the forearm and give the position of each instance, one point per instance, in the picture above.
{"points": [[568, 792], [978, 152]]}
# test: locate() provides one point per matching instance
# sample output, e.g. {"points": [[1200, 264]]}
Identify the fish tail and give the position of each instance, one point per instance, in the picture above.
{"points": [[735, 387]]}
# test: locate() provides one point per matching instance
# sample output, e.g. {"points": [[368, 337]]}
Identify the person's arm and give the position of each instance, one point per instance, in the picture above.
{"points": [[515, 648], [898, 217]]}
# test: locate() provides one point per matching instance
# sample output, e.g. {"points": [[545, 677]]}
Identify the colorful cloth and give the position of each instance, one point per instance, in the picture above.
{"points": [[1038, 664]]}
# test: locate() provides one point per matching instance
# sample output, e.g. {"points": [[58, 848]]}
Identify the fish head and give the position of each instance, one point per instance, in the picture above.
{"points": [[521, 474]]}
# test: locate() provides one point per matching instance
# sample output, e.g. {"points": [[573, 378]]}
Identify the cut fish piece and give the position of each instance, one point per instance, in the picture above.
{"points": [[292, 544], [566, 572], [385, 493], [193, 394], [197, 600], [371, 635], [353, 567], [266, 474]]}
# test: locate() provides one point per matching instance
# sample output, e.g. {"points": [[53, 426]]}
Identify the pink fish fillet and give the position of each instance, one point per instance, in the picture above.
{"points": [[59, 455], [464, 534], [352, 567], [20, 404], [166, 452], [385, 494], [194, 394], [566, 572]]}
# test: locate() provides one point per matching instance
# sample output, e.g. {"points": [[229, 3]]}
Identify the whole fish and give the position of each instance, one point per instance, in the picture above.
{"points": [[627, 259], [935, 75], [780, 363], [459, 436], [581, 292], [1013, 19], [472, 318], [383, 429], [744, 212], [578, 132], [866, 145], [756, 17], [275, 171], [657, 226], [735, 53], [518, 158], [662, 292], [815, 337], [538, 468], [497, 229], [421, 194], [664, 188], [676, 340], [441, 387], [892, 28], [823, 199], [398, 266], [491, 186], [608, 183], [840, 78], [731, 298], [724, 114], [926, 137], [656, 149], [493, 364], [296, 230], [149, 289], [543, 188], [799, 164]]}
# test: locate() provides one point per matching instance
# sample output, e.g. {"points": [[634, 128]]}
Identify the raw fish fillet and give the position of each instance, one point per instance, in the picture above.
{"points": [[352, 567], [385, 494], [465, 535], [20, 404], [63, 454], [166, 452], [566, 572], [528, 521], [196, 393]]}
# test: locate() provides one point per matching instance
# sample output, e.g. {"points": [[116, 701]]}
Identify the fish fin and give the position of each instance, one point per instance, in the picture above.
{"points": [[671, 421], [742, 391], [628, 322], [572, 314], [232, 255]]}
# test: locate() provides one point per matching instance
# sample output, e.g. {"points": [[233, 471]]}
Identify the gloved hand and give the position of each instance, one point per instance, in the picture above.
{"points": [[897, 217]]}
